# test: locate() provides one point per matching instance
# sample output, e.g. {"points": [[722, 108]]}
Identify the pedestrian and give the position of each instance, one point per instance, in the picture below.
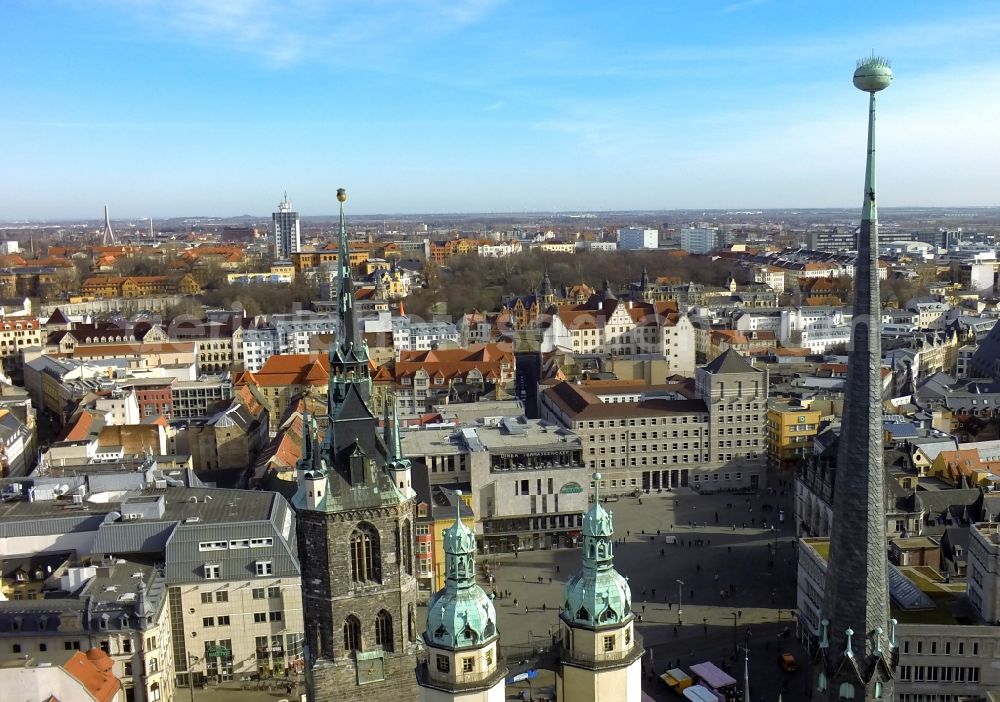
{"points": [[692, 594], [557, 569], [661, 553], [675, 631], [522, 577], [644, 609], [550, 580], [729, 549], [652, 593], [515, 602], [543, 606], [670, 605], [525, 609]]}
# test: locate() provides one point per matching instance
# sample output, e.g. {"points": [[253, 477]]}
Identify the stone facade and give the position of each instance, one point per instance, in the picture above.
{"points": [[330, 596]]}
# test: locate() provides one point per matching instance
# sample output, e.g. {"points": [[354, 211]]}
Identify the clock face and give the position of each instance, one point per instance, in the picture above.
{"points": [[371, 670]]}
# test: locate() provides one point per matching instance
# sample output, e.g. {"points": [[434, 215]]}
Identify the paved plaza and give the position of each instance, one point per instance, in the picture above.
{"points": [[725, 571]]}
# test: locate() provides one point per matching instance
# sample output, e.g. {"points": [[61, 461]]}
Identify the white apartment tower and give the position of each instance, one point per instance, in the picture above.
{"points": [[285, 230]]}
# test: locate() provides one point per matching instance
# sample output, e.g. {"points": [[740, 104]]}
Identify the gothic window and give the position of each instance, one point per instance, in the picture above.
{"points": [[489, 629], [407, 547], [352, 633], [383, 630], [607, 615], [366, 559], [469, 634], [846, 691], [582, 614]]}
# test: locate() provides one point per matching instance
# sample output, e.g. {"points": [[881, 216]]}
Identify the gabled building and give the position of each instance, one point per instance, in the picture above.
{"points": [[419, 379]]}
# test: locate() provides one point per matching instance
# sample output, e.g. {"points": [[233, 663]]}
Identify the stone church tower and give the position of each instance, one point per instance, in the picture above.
{"points": [[355, 535], [858, 654], [463, 658], [600, 656]]}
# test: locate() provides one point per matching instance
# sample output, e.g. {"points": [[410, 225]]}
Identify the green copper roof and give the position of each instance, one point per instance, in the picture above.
{"points": [[598, 594], [462, 614]]}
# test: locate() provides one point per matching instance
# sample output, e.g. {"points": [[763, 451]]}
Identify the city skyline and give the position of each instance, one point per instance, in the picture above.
{"points": [[215, 108]]}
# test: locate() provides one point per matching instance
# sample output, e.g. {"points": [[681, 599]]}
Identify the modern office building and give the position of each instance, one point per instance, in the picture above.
{"points": [[285, 230], [636, 238], [699, 240]]}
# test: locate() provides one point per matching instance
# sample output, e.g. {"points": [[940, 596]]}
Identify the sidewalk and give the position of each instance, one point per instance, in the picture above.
{"points": [[232, 692]]}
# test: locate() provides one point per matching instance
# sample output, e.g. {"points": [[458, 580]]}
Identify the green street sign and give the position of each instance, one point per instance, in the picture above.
{"points": [[217, 652]]}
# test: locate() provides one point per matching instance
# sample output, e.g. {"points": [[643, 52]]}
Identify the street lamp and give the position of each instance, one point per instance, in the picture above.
{"points": [[191, 659], [736, 645], [680, 596]]}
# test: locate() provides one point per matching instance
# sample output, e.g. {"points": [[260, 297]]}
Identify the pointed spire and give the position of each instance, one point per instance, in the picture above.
{"points": [[856, 600], [306, 439], [459, 551], [350, 334]]}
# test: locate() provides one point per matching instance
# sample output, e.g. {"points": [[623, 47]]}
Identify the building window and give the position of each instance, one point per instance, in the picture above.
{"points": [[222, 596], [443, 664], [365, 556], [383, 630], [275, 616], [259, 617], [213, 572], [223, 620], [208, 621], [468, 664], [264, 568], [258, 593], [407, 538], [274, 591], [352, 633], [206, 597], [609, 643]]}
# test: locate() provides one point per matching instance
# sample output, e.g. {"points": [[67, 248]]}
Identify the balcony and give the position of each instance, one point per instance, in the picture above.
{"points": [[479, 680], [610, 659]]}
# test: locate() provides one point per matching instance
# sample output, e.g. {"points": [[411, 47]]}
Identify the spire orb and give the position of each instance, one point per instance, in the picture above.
{"points": [[341, 195], [873, 74]]}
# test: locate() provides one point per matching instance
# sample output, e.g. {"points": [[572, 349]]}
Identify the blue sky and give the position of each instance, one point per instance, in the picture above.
{"points": [[185, 107]]}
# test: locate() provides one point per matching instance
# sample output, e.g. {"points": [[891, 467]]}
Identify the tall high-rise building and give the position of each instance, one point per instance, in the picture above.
{"points": [[857, 656], [285, 230], [355, 534]]}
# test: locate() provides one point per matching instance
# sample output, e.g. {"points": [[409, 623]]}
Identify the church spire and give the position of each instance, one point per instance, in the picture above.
{"points": [[598, 593], [857, 657], [350, 334], [349, 355]]}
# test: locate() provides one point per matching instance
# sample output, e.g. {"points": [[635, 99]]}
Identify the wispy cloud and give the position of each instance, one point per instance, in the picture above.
{"points": [[498, 105], [289, 32], [742, 5]]}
